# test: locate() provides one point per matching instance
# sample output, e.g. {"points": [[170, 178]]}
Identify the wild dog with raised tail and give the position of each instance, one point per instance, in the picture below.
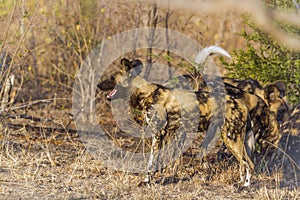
{"points": [[161, 104]]}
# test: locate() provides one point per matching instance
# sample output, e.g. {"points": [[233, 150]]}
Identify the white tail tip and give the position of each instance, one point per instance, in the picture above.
{"points": [[206, 52]]}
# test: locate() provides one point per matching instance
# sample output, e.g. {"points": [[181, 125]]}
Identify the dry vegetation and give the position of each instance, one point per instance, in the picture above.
{"points": [[41, 154]]}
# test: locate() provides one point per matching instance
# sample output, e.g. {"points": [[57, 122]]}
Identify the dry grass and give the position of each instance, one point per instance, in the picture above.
{"points": [[48, 163], [57, 166], [41, 156]]}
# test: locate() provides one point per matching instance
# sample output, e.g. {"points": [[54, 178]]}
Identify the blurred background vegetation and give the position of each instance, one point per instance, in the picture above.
{"points": [[266, 60], [48, 40]]}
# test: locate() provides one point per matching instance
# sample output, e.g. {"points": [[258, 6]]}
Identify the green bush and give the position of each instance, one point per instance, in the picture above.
{"points": [[266, 60]]}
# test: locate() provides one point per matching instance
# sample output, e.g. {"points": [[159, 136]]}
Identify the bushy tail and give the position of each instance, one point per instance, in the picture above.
{"points": [[206, 52]]}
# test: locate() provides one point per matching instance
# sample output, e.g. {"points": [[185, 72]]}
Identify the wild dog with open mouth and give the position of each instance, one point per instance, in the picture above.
{"points": [[161, 103]]}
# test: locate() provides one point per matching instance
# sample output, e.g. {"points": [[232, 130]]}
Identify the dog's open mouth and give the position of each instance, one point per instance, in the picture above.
{"points": [[111, 94], [119, 92]]}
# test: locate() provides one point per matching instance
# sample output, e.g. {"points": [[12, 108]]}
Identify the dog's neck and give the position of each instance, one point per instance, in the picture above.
{"points": [[137, 82], [142, 85]]}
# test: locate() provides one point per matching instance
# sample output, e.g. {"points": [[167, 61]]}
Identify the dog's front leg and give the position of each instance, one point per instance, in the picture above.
{"points": [[156, 120], [150, 161]]}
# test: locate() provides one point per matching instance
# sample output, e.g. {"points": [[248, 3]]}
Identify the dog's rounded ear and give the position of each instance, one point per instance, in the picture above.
{"points": [[271, 93], [126, 65], [137, 67], [137, 63], [275, 91], [281, 87]]}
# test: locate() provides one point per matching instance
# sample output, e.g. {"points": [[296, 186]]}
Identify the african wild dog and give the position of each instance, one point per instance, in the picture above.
{"points": [[289, 149], [266, 113], [160, 102], [267, 106], [272, 94], [276, 99]]}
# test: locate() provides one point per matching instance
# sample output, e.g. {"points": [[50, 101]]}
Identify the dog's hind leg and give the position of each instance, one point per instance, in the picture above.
{"points": [[245, 167], [248, 175], [242, 171], [234, 133], [250, 147]]}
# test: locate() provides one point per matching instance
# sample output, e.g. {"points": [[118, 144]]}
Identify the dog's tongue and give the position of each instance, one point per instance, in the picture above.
{"points": [[111, 94]]}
